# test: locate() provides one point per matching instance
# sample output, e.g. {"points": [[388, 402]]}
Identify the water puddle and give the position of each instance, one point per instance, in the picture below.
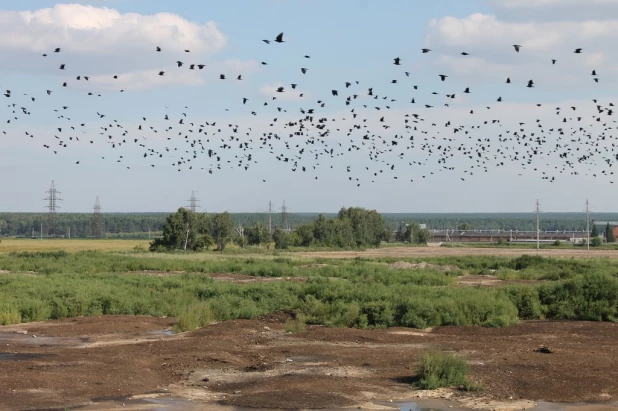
{"points": [[150, 404], [17, 356], [163, 332], [30, 339], [424, 405]]}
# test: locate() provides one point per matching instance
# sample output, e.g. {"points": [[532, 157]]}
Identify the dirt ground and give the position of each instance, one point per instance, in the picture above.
{"points": [[420, 252], [255, 363]]}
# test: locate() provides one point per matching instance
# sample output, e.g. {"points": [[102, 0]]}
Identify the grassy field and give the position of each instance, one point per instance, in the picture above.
{"points": [[69, 245], [358, 292]]}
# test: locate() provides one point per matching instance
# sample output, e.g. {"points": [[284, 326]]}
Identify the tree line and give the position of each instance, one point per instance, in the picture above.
{"points": [[350, 228], [140, 224]]}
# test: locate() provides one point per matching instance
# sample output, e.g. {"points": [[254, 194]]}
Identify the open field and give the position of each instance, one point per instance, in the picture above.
{"points": [[72, 245], [302, 329]]}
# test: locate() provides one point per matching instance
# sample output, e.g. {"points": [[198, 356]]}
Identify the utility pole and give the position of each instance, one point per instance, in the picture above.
{"points": [[588, 224], [270, 218], [538, 228]]}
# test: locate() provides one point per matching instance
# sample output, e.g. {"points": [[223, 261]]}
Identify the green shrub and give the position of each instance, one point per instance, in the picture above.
{"points": [[439, 369], [596, 242], [294, 326]]}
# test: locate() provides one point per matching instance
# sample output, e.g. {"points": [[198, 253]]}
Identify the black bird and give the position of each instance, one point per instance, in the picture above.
{"points": [[221, 76], [425, 50], [530, 84], [397, 61], [266, 41], [442, 77], [516, 47], [279, 38], [304, 70], [62, 67], [158, 48], [239, 77], [161, 73], [464, 54], [508, 80], [57, 50], [578, 51], [553, 61], [335, 92], [467, 90]]}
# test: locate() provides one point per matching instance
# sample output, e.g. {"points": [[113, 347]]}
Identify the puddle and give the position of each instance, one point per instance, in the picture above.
{"points": [[154, 404], [16, 356], [424, 405], [163, 332], [9, 337]]}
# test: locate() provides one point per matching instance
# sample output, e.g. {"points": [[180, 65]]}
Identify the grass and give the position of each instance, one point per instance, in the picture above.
{"points": [[69, 245], [439, 370], [358, 292], [295, 326]]}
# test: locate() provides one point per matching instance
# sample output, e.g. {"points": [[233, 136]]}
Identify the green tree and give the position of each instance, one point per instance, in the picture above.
{"points": [[465, 227], [281, 239], [180, 231], [221, 227], [305, 235], [595, 231], [596, 242], [609, 234], [257, 234]]}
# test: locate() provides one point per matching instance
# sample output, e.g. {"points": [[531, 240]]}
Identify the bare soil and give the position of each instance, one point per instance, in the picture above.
{"points": [[256, 363]]}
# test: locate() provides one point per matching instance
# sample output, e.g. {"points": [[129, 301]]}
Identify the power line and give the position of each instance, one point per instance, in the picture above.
{"points": [[96, 220], [588, 224], [52, 205], [538, 227], [284, 216], [193, 202], [270, 217]]}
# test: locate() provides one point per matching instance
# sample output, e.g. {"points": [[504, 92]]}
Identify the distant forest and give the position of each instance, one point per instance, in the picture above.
{"points": [[138, 225]]}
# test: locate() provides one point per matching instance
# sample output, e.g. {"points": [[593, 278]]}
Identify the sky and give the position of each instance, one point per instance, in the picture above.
{"points": [[347, 40]]}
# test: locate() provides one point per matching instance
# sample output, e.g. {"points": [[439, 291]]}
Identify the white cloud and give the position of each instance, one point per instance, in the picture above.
{"points": [[555, 9], [95, 30], [97, 41], [489, 39], [289, 94], [140, 80]]}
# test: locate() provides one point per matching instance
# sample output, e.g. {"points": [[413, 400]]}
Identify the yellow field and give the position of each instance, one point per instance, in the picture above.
{"points": [[22, 244]]}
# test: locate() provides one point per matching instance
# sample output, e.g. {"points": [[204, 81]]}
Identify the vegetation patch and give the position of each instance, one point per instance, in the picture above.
{"points": [[438, 369]]}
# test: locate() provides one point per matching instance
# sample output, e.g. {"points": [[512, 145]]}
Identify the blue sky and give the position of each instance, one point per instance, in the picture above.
{"points": [[348, 40]]}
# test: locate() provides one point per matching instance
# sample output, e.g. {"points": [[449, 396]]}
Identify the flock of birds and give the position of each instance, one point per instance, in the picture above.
{"points": [[390, 138]]}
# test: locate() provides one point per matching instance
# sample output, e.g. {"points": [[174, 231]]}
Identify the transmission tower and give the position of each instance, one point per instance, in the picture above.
{"points": [[284, 216], [96, 220], [588, 224], [52, 205], [193, 202], [270, 217], [538, 227]]}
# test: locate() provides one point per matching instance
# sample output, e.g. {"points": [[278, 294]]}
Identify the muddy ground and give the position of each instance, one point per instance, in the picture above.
{"points": [[255, 363]]}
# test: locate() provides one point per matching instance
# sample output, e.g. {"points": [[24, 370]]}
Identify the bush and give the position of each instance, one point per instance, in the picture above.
{"points": [[557, 243], [445, 370], [294, 326], [596, 242]]}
